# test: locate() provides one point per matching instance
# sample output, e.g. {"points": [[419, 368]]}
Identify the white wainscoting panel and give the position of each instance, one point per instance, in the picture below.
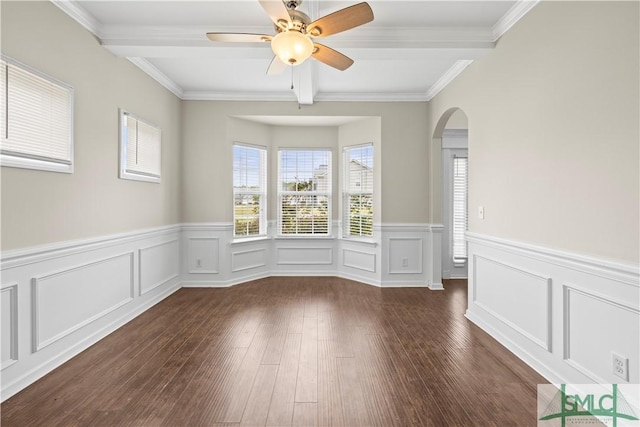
{"points": [[405, 255], [304, 255], [594, 326], [247, 259], [59, 299], [406, 258], [203, 255], [159, 264], [65, 301], [360, 260], [9, 324], [562, 313], [517, 297]]}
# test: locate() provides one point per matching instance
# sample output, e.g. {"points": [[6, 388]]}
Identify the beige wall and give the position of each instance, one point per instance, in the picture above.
{"points": [[207, 155], [553, 130], [44, 207]]}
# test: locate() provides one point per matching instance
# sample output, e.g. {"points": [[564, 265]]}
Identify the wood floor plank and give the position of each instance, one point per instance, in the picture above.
{"points": [[354, 408], [330, 399], [257, 408], [273, 352], [284, 392], [245, 377], [289, 351], [204, 402], [305, 415], [307, 382]]}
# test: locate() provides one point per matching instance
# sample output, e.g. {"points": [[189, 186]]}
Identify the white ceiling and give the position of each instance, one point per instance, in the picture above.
{"points": [[409, 52]]}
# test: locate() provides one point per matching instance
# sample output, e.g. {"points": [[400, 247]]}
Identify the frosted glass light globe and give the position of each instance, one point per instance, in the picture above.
{"points": [[292, 47]]}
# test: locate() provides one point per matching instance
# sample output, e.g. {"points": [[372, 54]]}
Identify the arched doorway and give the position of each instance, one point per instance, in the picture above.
{"points": [[452, 132]]}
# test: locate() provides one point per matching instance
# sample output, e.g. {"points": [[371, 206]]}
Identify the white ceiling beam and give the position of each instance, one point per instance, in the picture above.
{"points": [[240, 51], [181, 36], [305, 83]]}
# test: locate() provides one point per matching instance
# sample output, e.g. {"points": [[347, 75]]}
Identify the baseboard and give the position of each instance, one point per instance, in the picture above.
{"points": [[535, 364]]}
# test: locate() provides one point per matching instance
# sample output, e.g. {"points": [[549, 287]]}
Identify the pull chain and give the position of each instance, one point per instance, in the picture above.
{"points": [[292, 77]]}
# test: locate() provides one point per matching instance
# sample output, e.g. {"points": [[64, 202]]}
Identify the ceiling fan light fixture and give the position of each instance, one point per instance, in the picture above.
{"points": [[292, 47]]}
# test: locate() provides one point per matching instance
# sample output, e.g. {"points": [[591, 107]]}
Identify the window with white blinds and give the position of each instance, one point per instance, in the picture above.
{"points": [[140, 148], [304, 192], [36, 111], [249, 191], [459, 209], [358, 191]]}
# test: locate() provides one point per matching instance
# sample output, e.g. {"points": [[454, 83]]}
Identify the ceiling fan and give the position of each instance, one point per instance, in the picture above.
{"points": [[293, 43]]}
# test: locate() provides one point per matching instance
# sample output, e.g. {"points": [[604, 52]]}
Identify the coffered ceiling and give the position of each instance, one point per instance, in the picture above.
{"points": [[409, 52]]}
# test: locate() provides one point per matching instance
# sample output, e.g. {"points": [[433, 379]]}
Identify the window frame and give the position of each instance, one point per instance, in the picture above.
{"points": [[24, 160], [133, 175], [328, 194], [262, 214], [346, 194]]}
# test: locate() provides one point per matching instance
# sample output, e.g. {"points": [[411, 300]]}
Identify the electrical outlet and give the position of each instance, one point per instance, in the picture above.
{"points": [[481, 212], [620, 366], [405, 262], [199, 263]]}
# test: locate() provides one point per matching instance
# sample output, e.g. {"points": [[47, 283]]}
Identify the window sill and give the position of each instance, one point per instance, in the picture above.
{"points": [[137, 177], [304, 237], [241, 240], [361, 241], [23, 163]]}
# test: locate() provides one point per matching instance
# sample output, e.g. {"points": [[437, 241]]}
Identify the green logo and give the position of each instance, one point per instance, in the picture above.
{"points": [[595, 405]]}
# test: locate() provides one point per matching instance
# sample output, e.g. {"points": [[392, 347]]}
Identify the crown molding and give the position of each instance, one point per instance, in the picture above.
{"points": [[447, 78], [513, 15], [158, 76], [80, 15]]}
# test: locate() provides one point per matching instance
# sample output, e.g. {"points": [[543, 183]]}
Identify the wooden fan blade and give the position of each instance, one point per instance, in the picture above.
{"points": [[277, 11], [276, 67], [239, 37], [331, 57], [344, 19]]}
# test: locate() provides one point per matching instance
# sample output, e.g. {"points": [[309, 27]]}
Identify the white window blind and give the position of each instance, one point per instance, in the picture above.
{"points": [[304, 192], [358, 191], [249, 190], [140, 145], [37, 119], [459, 209]]}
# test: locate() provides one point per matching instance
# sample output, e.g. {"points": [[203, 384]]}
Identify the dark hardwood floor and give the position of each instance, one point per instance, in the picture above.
{"points": [[289, 351]]}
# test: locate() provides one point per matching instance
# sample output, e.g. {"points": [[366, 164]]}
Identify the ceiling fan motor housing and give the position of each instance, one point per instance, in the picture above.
{"points": [[292, 4], [298, 21]]}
